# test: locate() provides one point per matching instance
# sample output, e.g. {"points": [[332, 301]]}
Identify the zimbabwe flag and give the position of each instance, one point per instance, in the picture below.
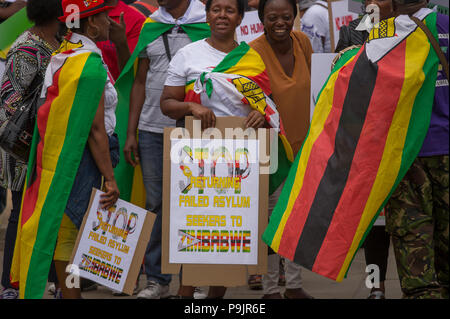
{"points": [[73, 87], [369, 124], [129, 179], [241, 78]]}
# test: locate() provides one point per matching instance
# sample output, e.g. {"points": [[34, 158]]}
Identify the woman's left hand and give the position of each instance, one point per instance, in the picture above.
{"points": [[255, 120], [118, 31]]}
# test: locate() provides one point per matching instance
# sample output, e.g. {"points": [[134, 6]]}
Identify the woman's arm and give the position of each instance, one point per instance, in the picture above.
{"points": [[173, 105], [137, 99], [99, 147], [17, 85]]}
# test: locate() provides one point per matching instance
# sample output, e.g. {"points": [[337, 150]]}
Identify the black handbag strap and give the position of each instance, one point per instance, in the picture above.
{"points": [[166, 41], [434, 44], [166, 46], [38, 79]]}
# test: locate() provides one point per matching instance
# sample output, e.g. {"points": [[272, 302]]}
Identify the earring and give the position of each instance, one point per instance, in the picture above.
{"points": [[93, 37]]}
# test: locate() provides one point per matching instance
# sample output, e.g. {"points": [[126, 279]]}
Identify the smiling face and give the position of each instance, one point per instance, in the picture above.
{"points": [[223, 17], [278, 20]]}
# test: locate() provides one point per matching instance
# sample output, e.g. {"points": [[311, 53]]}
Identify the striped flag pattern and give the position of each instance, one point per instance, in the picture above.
{"points": [[62, 127], [369, 124]]}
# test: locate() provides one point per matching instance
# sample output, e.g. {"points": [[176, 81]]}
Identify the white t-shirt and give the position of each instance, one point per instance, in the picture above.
{"points": [[190, 62], [315, 24]]}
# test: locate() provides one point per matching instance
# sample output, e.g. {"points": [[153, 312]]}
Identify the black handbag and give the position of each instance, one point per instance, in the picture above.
{"points": [[17, 135]]}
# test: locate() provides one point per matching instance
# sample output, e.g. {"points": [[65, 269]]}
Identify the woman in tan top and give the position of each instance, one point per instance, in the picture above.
{"points": [[287, 55]]}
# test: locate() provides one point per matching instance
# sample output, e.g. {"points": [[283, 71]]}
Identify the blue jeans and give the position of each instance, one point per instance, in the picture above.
{"points": [[87, 177], [151, 159]]}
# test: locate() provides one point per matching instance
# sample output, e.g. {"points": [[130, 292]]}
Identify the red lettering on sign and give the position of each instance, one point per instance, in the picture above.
{"points": [[344, 20]]}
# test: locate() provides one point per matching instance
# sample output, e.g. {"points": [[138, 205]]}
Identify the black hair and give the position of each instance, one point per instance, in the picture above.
{"points": [[240, 6], [263, 3], [42, 12]]}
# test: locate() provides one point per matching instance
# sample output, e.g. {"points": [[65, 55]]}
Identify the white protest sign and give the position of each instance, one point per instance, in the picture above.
{"points": [[108, 241], [214, 201], [320, 70], [341, 16], [250, 27]]}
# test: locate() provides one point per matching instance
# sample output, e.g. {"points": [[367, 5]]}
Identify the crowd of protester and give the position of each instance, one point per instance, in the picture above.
{"points": [[419, 208]]}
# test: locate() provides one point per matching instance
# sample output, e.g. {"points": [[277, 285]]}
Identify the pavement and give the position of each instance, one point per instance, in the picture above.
{"points": [[353, 287]]}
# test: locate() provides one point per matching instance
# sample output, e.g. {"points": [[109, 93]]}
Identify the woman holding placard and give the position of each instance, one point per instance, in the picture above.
{"points": [[207, 78]]}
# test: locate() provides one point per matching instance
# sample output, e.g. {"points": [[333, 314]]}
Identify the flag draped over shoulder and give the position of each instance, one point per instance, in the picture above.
{"points": [[11, 29], [241, 78], [73, 87], [129, 179], [369, 124]]}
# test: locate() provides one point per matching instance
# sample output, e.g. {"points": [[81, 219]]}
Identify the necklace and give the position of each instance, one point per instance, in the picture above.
{"points": [[211, 43], [51, 41]]}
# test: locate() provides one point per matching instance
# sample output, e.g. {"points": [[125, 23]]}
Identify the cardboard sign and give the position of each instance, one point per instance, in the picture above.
{"points": [[250, 27], [214, 201], [215, 205], [111, 244], [320, 70], [339, 16]]}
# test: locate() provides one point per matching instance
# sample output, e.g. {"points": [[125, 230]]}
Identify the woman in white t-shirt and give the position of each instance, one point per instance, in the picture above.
{"points": [[195, 59], [224, 16]]}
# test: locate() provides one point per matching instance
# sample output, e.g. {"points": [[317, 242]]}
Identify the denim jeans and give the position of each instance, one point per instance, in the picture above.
{"points": [[151, 160], [88, 176]]}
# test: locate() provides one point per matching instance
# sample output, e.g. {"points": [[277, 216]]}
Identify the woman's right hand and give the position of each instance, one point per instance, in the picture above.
{"points": [[203, 113], [111, 194], [131, 150]]}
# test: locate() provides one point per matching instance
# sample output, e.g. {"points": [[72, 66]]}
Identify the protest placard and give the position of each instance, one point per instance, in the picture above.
{"points": [[320, 70], [214, 210], [214, 204], [339, 16], [111, 244], [250, 27]]}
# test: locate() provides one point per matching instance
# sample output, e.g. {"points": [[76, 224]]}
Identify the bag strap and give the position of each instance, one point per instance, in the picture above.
{"points": [[166, 41], [434, 43], [37, 78], [166, 46], [322, 5]]}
